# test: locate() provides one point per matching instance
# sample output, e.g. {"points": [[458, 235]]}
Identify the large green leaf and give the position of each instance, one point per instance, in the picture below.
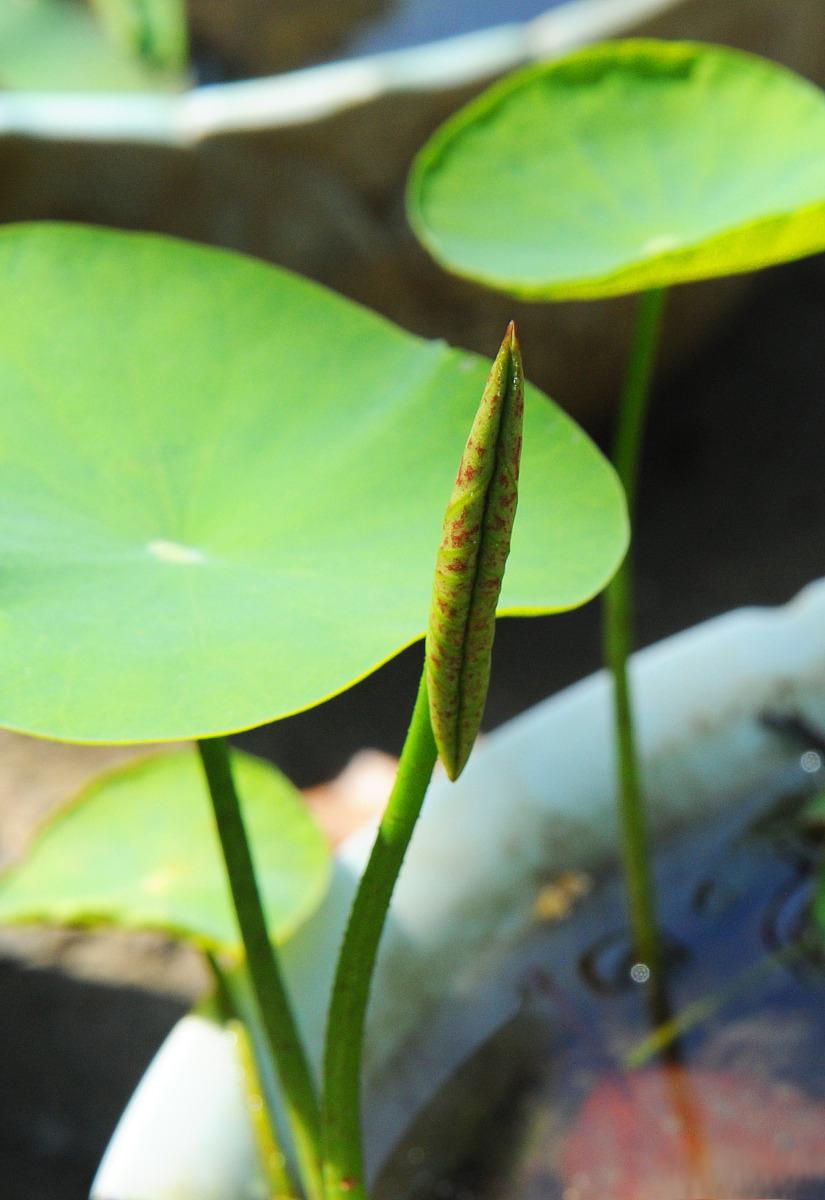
{"points": [[138, 849], [222, 487], [58, 45], [629, 165]]}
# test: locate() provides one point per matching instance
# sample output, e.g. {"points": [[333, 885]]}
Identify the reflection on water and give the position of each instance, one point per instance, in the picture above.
{"points": [[602, 1089], [412, 22]]}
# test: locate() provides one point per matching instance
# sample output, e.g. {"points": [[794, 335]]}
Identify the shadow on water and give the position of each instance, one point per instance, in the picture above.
{"points": [[598, 1087]]}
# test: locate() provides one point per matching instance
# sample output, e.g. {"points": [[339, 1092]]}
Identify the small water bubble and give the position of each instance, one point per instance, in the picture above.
{"points": [[640, 972], [811, 762]]}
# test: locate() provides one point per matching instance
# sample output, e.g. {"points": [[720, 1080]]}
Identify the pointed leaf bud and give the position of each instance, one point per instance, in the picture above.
{"points": [[470, 563]]}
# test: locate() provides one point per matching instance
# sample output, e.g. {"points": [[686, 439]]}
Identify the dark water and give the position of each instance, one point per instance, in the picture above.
{"points": [[413, 22], [599, 1088]]}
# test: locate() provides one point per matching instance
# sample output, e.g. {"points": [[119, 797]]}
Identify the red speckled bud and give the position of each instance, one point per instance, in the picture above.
{"points": [[470, 564]]}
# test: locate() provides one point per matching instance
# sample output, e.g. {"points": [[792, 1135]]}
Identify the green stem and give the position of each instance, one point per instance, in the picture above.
{"points": [[617, 635], [268, 987], [231, 1002], [273, 1161], [341, 1112]]}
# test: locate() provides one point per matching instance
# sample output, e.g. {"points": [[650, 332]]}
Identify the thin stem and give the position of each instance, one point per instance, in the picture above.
{"points": [[633, 402], [617, 636], [231, 1001], [273, 1161], [341, 1113], [268, 987]]}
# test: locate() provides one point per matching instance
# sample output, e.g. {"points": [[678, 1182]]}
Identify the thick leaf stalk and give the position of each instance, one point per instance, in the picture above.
{"points": [[274, 1008], [471, 559]]}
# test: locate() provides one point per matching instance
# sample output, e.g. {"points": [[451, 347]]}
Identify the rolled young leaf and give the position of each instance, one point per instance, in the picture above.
{"points": [[470, 563]]}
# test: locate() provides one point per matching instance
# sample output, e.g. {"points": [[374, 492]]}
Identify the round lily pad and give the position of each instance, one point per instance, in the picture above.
{"points": [[138, 849], [222, 488], [626, 166]]}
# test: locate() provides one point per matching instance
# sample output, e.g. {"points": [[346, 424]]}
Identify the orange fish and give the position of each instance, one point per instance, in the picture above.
{"points": [[672, 1134]]}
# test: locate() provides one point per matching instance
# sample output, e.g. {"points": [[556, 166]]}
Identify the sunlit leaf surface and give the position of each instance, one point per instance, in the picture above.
{"points": [[222, 488], [626, 166]]}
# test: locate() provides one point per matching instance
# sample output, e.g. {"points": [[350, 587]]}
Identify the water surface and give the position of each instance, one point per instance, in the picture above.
{"points": [[414, 22], [598, 1087]]}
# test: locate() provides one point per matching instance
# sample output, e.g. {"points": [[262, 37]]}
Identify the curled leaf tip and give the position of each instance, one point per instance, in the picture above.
{"points": [[470, 564]]}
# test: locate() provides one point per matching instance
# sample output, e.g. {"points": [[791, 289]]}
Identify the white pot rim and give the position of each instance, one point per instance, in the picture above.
{"points": [[303, 96]]}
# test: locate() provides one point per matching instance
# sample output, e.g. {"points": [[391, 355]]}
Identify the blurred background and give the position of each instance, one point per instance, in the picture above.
{"points": [[286, 130]]}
